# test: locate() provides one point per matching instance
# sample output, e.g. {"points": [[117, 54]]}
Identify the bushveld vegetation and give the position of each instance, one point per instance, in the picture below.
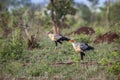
{"points": [[26, 52]]}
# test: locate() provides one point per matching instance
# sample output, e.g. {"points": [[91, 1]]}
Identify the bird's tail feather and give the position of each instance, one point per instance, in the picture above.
{"points": [[90, 48]]}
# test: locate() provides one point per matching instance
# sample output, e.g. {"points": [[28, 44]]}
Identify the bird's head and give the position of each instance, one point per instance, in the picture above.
{"points": [[71, 40], [48, 32]]}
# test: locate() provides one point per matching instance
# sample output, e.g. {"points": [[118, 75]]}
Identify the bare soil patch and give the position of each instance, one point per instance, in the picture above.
{"points": [[83, 30], [107, 37]]}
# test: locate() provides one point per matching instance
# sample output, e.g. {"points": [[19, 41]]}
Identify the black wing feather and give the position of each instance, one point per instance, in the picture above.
{"points": [[64, 39]]}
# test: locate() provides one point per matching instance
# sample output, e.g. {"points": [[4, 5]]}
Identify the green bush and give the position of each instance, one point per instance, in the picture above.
{"points": [[115, 68], [83, 38], [100, 30], [12, 48]]}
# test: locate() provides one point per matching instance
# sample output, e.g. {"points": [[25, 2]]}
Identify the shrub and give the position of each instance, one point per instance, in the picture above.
{"points": [[12, 48], [115, 68], [100, 30], [83, 38]]}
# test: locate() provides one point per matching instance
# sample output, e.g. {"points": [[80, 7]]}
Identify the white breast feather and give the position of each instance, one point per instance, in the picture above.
{"points": [[54, 37], [76, 46]]}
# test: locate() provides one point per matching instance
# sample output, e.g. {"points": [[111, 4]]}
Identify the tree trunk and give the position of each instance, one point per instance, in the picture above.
{"points": [[55, 28], [58, 30], [108, 12], [26, 31]]}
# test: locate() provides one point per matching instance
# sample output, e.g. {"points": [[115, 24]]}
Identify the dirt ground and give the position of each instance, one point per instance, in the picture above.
{"points": [[84, 30], [109, 37]]}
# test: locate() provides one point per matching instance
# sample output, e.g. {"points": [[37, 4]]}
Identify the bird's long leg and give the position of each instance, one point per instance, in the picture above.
{"points": [[82, 55], [56, 45], [62, 47]]}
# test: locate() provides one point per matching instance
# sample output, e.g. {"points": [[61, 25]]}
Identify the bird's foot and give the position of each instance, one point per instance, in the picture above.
{"points": [[82, 61]]}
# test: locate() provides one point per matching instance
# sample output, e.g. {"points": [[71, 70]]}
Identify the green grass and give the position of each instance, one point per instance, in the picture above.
{"points": [[40, 64]]}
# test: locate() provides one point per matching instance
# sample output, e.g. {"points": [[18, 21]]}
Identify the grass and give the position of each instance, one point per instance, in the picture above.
{"points": [[43, 63]]}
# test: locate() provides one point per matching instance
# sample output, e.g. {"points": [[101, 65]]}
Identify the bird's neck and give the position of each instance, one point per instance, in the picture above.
{"points": [[50, 34], [74, 43]]}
